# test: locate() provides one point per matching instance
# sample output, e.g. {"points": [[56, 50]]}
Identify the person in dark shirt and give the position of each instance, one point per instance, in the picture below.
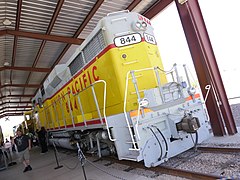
{"points": [[42, 134], [23, 144]]}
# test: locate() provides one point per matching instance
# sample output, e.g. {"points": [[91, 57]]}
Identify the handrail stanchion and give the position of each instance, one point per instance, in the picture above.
{"points": [[70, 110], [104, 109], [63, 115], [178, 80], [81, 109], [46, 118], [56, 114], [52, 119], [134, 80], [159, 83], [96, 103]]}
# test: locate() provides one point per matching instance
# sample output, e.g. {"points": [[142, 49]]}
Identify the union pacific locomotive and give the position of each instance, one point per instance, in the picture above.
{"points": [[114, 97]]}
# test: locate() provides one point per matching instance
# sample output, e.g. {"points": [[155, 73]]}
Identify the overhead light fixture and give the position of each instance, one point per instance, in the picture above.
{"points": [[6, 63], [182, 1], [7, 22]]}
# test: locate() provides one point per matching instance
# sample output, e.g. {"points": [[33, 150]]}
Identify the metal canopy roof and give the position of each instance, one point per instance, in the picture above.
{"points": [[35, 35]]}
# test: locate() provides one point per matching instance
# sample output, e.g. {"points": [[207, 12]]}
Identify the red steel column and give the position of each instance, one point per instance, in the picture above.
{"points": [[206, 67]]}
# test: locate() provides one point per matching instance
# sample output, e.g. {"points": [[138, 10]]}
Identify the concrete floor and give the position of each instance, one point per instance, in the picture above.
{"points": [[43, 165], [43, 169]]}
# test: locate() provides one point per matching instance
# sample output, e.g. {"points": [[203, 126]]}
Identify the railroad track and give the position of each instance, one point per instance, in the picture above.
{"points": [[166, 170], [175, 171], [162, 169], [219, 149]]}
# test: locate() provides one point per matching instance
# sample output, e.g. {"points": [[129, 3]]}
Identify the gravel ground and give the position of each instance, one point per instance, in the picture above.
{"points": [[221, 164]]}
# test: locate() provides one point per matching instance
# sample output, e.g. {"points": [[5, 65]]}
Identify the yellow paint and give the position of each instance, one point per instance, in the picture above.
{"points": [[80, 118], [111, 67]]}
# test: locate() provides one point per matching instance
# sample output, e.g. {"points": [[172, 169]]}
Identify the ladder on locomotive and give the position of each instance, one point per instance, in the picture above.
{"points": [[133, 126]]}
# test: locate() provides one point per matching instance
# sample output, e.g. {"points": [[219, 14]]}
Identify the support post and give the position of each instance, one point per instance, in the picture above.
{"points": [[206, 67]]}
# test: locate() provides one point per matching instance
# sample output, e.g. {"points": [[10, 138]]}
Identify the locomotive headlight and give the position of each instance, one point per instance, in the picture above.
{"points": [[138, 25], [144, 25]]}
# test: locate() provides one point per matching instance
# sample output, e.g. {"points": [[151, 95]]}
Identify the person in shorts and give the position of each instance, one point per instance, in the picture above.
{"points": [[23, 144]]}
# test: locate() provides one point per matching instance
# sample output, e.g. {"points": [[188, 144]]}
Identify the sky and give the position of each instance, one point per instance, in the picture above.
{"points": [[7, 125], [222, 21]]}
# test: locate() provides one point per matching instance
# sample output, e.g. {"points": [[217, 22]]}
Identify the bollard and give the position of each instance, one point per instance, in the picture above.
{"points": [[55, 153], [82, 159]]}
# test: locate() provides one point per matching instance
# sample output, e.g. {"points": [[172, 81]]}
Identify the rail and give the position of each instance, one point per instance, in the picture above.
{"points": [[220, 149], [167, 170]]}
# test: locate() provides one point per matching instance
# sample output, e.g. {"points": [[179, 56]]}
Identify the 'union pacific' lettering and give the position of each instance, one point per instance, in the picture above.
{"points": [[78, 84], [84, 79]]}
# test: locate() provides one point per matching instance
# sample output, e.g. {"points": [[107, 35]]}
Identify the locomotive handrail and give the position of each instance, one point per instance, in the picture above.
{"points": [[70, 111], [95, 98], [156, 69], [125, 104], [104, 104], [125, 114], [56, 114]]}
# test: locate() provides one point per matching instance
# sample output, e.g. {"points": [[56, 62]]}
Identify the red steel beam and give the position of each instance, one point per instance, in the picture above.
{"points": [[3, 32], [18, 17], [156, 8], [46, 37], [21, 85], [22, 110], [20, 95], [206, 67], [133, 4], [31, 69], [16, 102], [16, 107]]}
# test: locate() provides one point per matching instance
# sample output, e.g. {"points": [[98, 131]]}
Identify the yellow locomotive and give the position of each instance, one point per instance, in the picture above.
{"points": [[112, 96]]}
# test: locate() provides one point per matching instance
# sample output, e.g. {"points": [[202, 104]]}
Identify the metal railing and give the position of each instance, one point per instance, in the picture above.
{"points": [[77, 95], [141, 102]]}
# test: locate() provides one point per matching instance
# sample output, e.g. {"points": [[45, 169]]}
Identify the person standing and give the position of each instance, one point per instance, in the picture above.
{"points": [[23, 144], [42, 136]]}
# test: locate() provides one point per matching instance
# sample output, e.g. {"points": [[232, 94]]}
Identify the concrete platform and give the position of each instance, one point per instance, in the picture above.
{"points": [[43, 169]]}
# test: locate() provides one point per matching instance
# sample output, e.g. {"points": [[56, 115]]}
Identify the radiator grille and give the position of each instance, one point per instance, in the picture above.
{"points": [[76, 64], [91, 50], [94, 47]]}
